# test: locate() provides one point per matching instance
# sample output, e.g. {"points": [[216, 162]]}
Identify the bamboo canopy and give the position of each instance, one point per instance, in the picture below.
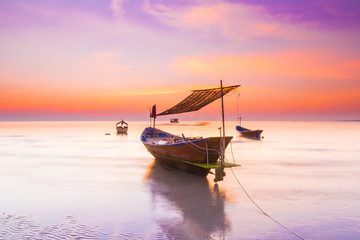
{"points": [[198, 99]]}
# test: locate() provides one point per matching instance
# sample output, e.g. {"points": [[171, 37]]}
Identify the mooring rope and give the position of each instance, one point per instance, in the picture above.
{"points": [[232, 152], [262, 211], [208, 149]]}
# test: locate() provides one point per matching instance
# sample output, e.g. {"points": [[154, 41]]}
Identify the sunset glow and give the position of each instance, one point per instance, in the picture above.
{"points": [[105, 60]]}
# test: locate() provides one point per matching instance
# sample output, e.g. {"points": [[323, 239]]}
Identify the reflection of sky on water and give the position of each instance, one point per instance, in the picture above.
{"points": [[304, 174]]}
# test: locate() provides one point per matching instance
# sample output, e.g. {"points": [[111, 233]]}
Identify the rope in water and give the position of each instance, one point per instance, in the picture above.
{"points": [[262, 211]]}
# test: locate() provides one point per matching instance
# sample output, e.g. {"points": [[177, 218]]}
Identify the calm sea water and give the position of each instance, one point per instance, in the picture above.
{"points": [[68, 180]]}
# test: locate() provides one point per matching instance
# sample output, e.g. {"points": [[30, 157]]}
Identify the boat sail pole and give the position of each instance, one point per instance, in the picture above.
{"points": [[219, 171], [223, 123], [237, 105]]}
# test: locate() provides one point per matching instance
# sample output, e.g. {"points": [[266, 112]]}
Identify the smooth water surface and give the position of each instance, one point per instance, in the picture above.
{"points": [[69, 180]]}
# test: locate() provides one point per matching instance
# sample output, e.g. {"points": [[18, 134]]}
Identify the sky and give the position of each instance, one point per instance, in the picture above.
{"points": [[107, 60]]}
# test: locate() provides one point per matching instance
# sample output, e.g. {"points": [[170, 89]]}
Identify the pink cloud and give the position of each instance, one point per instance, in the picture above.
{"points": [[306, 64], [235, 21], [117, 8], [104, 62]]}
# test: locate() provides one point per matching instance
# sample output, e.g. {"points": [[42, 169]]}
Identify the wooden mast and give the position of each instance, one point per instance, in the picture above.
{"points": [[219, 171], [223, 123], [237, 109]]}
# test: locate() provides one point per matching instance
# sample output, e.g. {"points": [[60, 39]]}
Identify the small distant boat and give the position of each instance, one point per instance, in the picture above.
{"points": [[122, 127], [195, 155], [174, 120], [245, 132]]}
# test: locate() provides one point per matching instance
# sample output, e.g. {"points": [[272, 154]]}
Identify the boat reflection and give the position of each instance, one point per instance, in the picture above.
{"points": [[196, 210]]}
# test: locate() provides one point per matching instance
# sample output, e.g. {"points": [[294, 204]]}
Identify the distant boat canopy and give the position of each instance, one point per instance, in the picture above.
{"points": [[198, 99]]}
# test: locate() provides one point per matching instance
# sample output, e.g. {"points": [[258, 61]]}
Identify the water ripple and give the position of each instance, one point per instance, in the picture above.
{"points": [[26, 227]]}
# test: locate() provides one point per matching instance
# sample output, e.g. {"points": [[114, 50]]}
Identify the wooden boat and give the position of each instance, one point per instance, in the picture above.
{"points": [[248, 133], [121, 127], [194, 155], [174, 120], [245, 132]]}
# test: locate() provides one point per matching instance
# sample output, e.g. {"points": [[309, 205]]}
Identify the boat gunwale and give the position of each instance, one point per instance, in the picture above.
{"points": [[175, 144], [185, 141]]}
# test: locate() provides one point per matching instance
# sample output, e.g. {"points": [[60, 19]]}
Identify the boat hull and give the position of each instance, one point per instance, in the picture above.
{"points": [[174, 120], [189, 151], [121, 129], [251, 134], [181, 155], [244, 132]]}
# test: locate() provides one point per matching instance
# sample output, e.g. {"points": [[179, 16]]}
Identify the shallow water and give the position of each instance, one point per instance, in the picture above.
{"points": [[69, 180]]}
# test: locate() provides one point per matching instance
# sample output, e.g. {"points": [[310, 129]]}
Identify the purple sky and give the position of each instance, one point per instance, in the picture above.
{"points": [[87, 59]]}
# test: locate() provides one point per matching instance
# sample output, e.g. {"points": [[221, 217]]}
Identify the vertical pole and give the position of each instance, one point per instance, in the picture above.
{"points": [[207, 154], [150, 116], [223, 122], [154, 109], [237, 106]]}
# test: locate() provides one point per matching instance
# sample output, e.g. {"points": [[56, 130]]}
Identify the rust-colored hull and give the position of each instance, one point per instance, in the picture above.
{"points": [[180, 153], [193, 151], [200, 150]]}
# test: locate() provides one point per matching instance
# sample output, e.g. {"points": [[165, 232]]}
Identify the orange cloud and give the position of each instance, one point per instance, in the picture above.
{"points": [[291, 65]]}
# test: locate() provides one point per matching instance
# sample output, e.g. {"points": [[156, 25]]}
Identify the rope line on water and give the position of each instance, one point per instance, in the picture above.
{"points": [[232, 152], [262, 211]]}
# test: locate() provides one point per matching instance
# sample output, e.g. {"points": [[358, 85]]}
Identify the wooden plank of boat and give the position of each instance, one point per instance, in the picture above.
{"points": [[199, 164], [195, 155], [166, 145]]}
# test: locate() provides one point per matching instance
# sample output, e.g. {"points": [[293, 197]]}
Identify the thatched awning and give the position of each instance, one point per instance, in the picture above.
{"points": [[198, 99]]}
